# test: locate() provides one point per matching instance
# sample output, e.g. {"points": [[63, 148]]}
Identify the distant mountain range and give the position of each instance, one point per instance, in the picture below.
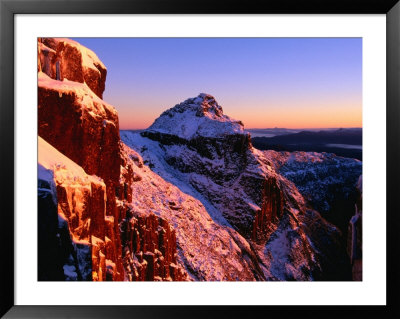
{"points": [[283, 131], [343, 142]]}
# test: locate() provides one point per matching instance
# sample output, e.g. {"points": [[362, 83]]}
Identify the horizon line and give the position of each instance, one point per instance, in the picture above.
{"points": [[273, 128]]}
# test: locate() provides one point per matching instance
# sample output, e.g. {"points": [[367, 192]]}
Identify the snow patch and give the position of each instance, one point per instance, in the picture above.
{"points": [[89, 58], [89, 100]]}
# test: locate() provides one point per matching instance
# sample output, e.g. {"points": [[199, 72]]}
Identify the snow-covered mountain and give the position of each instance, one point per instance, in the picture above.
{"points": [[240, 188], [187, 199], [197, 117], [103, 214]]}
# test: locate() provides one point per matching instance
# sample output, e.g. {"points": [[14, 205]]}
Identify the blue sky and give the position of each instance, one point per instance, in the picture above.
{"points": [[265, 82]]}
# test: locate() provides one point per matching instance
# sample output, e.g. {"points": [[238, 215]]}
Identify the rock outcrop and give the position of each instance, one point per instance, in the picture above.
{"points": [[73, 217], [79, 135], [62, 58], [85, 129], [150, 250]]}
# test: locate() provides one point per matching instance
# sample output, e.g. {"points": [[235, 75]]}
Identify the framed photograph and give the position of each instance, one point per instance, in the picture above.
{"points": [[179, 160]]}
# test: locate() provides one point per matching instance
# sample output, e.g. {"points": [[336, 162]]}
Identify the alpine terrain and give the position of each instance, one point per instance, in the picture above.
{"points": [[188, 199]]}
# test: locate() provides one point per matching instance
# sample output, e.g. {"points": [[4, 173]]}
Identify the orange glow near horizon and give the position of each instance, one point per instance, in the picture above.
{"points": [[304, 118], [346, 115]]}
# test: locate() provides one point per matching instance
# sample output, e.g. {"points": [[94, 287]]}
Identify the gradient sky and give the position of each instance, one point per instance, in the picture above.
{"points": [[265, 82]]}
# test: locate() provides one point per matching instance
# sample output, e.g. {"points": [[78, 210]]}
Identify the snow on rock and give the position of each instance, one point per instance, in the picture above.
{"points": [[82, 127], [74, 119], [199, 116], [79, 208], [66, 170], [250, 208], [46, 58], [62, 58], [328, 182], [81, 155], [223, 170], [150, 251], [207, 250], [89, 58], [94, 105], [209, 156]]}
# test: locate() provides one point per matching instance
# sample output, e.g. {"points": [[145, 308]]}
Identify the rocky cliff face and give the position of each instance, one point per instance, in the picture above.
{"points": [[328, 182], [332, 185], [79, 146], [62, 58], [85, 129], [216, 154], [208, 155], [206, 248], [71, 217], [354, 237], [150, 249]]}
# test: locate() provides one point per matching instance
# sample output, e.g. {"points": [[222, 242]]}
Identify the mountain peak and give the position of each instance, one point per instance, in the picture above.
{"points": [[206, 104], [198, 116]]}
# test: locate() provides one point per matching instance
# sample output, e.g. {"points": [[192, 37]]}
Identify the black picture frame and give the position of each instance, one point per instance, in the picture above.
{"points": [[8, 9]]}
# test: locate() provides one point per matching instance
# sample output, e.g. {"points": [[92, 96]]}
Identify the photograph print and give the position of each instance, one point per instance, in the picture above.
{"points": [[199, 159]]}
